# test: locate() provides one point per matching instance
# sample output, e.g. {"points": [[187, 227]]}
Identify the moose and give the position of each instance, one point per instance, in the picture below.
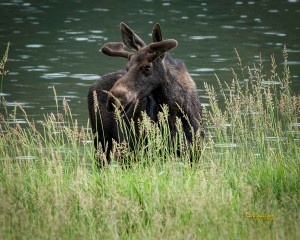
{"points": [[152, 79]]}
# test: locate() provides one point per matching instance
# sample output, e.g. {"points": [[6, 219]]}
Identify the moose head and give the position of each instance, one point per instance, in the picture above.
{"points": [[145, 67]]}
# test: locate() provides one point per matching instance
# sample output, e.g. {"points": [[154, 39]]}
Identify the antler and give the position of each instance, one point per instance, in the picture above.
{"points": [[115, 49], [159, 48]]}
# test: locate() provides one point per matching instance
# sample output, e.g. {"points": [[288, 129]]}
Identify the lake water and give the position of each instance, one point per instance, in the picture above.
{"points": [[56, 43]]}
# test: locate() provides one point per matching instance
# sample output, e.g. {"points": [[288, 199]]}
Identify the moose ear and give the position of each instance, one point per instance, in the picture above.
{"points": [[156, 33], [159, 48], [130, 39], [115, 49]]}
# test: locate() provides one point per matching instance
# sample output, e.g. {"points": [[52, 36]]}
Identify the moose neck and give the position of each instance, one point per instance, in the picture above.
{"points": [[178, 90]]}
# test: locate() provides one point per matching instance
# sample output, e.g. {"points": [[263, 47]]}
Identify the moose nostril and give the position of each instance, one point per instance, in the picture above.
{"points": [[110, 106], [112, 103]]}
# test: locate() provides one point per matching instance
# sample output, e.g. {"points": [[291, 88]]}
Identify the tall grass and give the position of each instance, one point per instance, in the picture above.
{"points": [[244, 185], [3, 70]]}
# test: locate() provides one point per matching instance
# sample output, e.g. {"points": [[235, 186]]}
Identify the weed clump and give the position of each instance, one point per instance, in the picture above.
{"points": [[244, 184]]}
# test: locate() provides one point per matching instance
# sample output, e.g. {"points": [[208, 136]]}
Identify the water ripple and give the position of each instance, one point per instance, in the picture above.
{"points": [[226, 145], [279, 34], [270, 82], [204, 70], [202, 37], [101, 9], [81, 39], [40, 68], [34, 45], [85, 76], [55, 75], [81, 76]]}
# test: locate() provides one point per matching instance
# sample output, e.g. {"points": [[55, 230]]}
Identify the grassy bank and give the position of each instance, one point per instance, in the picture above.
{"points": [[245, 184]]}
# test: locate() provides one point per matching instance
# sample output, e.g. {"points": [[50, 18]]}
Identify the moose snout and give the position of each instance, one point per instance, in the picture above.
{"points": [[119, 100]]}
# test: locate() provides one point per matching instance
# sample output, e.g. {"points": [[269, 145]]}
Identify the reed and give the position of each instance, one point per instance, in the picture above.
{"points": [[3, 70], [245, 184]]}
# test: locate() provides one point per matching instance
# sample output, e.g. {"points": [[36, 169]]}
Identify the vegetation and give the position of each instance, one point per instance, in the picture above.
{"points": [[244, 185], [3, 61]]}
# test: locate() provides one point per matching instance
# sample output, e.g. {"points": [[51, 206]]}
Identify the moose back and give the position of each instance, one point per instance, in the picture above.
{"points": [[151, 80]]}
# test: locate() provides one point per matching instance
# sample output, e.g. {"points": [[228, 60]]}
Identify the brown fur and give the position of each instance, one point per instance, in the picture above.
{"points": [[152, 79]]}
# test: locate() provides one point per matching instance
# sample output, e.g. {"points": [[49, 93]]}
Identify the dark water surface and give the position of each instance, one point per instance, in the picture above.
{"points": [[56, 43]]}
